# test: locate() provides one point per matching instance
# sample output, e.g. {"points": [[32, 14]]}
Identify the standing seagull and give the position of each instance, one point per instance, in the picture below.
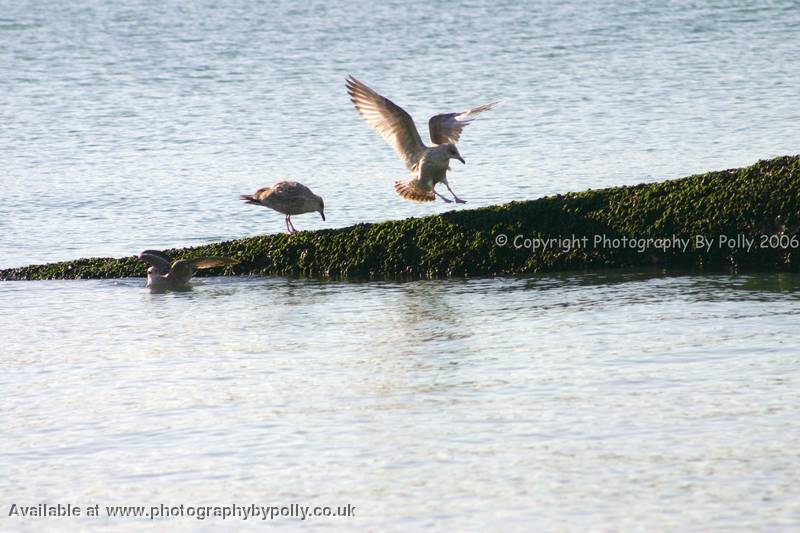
{"points": [[429, 164], [289, 198], [162, 276]]}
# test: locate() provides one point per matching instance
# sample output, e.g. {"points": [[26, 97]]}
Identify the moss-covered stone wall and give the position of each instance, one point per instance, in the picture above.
{"points": [[733, 219]]}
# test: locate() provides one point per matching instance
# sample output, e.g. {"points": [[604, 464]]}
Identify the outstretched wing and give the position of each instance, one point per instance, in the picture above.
{"points": [[392, 121], [157, 259], [446, 127], [183, 269], [211, 262]]}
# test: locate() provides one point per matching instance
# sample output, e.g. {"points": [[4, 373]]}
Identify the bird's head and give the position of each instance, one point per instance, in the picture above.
{"points": [[452, 153], [321, 207]]}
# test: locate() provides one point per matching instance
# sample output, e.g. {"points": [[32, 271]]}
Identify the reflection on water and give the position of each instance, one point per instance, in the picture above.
{"points": [[562, 401]]}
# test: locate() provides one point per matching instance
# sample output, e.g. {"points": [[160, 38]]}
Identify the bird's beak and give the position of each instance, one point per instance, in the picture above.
{"points": [[461, 159], [322, 215]]}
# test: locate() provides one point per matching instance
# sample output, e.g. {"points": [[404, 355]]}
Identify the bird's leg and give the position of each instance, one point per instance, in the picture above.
{"points": [[288, 227], [289, 218], [448, 200], [458, 200]]}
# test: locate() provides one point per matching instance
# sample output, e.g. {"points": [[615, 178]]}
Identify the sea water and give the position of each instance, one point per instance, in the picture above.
{"points": [[609, 400]]}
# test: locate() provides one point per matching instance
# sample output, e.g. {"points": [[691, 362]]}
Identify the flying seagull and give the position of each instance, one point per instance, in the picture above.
{"points": [[162, 276], [289, 198], [429, 164]]}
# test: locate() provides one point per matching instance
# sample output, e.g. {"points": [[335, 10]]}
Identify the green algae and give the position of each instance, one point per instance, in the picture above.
{"points": [[760, 202]]}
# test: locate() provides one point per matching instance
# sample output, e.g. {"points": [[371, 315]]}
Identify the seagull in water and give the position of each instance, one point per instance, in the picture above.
{"points": [[429, 164], [162, 276], [289, 198]]}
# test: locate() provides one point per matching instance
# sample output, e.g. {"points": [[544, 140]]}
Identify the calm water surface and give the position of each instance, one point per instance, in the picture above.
{"points": [[595, 400], [134, 126], [605, 401]]}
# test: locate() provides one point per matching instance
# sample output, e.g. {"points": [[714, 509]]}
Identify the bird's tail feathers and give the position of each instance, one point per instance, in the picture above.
{"points": [[414, 190], [250, 199]]}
